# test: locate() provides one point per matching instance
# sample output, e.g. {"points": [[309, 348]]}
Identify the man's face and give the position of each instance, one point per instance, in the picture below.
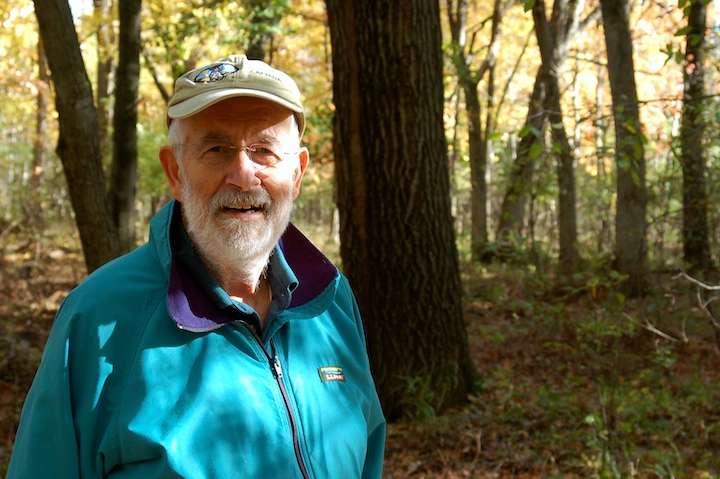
{"points": [[234, 208]]}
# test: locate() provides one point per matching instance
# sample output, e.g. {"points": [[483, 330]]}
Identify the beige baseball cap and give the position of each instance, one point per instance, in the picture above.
{"points": [[230, 77]]}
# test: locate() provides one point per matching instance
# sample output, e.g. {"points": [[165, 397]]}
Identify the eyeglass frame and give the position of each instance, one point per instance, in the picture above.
{"points": [[249, 150]]}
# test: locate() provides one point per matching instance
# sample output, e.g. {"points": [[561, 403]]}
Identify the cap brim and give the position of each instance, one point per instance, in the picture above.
{"points": [[199, 102]]}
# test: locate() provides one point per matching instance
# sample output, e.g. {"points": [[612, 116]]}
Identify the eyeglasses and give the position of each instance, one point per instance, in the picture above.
{"points": [[222, 153]]}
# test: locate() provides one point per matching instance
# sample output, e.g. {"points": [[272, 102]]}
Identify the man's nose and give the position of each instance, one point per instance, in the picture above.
{"points": [[242, 172]]}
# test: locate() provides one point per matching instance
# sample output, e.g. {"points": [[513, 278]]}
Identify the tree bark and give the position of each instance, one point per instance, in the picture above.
{"points": [[696, 249], [125, 150], [398, 246], [79, 139], [630, 223]]}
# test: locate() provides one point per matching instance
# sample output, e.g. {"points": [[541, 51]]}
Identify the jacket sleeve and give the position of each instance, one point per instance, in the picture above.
{"points": [[376, 421], [376, 451], [46, 442]]}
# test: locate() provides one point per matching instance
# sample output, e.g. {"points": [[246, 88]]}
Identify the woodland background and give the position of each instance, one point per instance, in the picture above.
{"points": [[572, 286]]}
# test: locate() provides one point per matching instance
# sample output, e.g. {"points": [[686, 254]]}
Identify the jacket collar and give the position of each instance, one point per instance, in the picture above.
{"points": [[193, 309]]}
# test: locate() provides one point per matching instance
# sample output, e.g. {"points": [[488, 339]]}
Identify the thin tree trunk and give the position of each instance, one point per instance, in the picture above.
{"points": [[478, 143], [695, 201], [564, 26], [569, 258], [36, 212], [105, 65], [261, 22], [604, 237], [512, 211], [398, 246], [630, 222], [125, 150]]}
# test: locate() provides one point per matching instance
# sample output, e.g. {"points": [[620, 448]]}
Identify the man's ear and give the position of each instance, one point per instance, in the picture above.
{"points": [[304, 157], [168, 160]]}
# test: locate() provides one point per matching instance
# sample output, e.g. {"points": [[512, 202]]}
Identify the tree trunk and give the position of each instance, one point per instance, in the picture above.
{"points": [[35, 209], [479, 144], [105, 64], [398, 246], [512, 211], [563, 27], [478, 167], [79, 140], [695, 201], [262, 19], [125, 149], [630, 226], [569, 258]]}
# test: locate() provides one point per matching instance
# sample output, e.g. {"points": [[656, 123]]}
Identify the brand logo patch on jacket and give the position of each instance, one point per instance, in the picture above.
{"points": [[331, 373]]}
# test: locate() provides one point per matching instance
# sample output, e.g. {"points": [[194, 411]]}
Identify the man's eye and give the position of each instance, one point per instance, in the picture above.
{"points": [[263, 155], [261, 150], [220, 149], [218, 153]]}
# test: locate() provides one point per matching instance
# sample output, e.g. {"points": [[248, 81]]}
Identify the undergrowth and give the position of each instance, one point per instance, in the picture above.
{"points": [[578, 381]]}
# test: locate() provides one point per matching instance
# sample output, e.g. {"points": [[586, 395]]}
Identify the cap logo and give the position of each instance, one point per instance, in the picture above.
{"points": [[215, 73]]}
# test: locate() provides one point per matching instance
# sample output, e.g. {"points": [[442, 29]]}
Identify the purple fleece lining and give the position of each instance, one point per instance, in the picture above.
{"points": [[188, 304], [313, 270]]}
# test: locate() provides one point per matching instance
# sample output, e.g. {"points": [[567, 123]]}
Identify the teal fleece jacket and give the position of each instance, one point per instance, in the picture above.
{"points": [[151, 372]]}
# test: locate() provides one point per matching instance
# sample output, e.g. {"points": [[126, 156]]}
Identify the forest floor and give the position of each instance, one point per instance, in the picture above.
{"points": [[573, 382]]}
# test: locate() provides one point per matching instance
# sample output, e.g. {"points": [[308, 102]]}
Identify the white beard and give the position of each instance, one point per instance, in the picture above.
{"points": [[231, 245]]}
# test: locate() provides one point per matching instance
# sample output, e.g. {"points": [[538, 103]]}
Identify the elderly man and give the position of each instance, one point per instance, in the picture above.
{"points": [[227, 346]]}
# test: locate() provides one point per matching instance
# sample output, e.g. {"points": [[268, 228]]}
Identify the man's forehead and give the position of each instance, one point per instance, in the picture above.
{"points": [[248, 108], [232, 117]]}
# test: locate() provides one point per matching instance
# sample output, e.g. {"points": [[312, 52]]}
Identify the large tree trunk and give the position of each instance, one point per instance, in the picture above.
{"points": [[398, 246], [695, 225], [79, 141], [630, 226], [125, 150]]}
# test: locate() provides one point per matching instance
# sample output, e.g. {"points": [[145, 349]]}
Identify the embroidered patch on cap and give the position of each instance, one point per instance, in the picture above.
{"points": [[331, 373]]}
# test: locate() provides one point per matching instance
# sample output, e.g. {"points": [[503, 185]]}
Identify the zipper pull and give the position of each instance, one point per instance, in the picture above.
{"points": [[277, 367]]}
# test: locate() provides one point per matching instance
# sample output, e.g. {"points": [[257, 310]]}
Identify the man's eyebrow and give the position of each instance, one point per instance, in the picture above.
{"points": [[273, 140], [216, 137]]}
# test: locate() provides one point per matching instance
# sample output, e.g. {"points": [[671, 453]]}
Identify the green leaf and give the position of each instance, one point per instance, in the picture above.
{"points": [[535, 150], [629, 125]]}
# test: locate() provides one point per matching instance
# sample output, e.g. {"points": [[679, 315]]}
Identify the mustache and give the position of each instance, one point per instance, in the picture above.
{"points": [[230, 198]]}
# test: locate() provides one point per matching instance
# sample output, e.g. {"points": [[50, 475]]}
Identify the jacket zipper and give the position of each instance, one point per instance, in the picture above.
{"points": [[278, 375]]}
